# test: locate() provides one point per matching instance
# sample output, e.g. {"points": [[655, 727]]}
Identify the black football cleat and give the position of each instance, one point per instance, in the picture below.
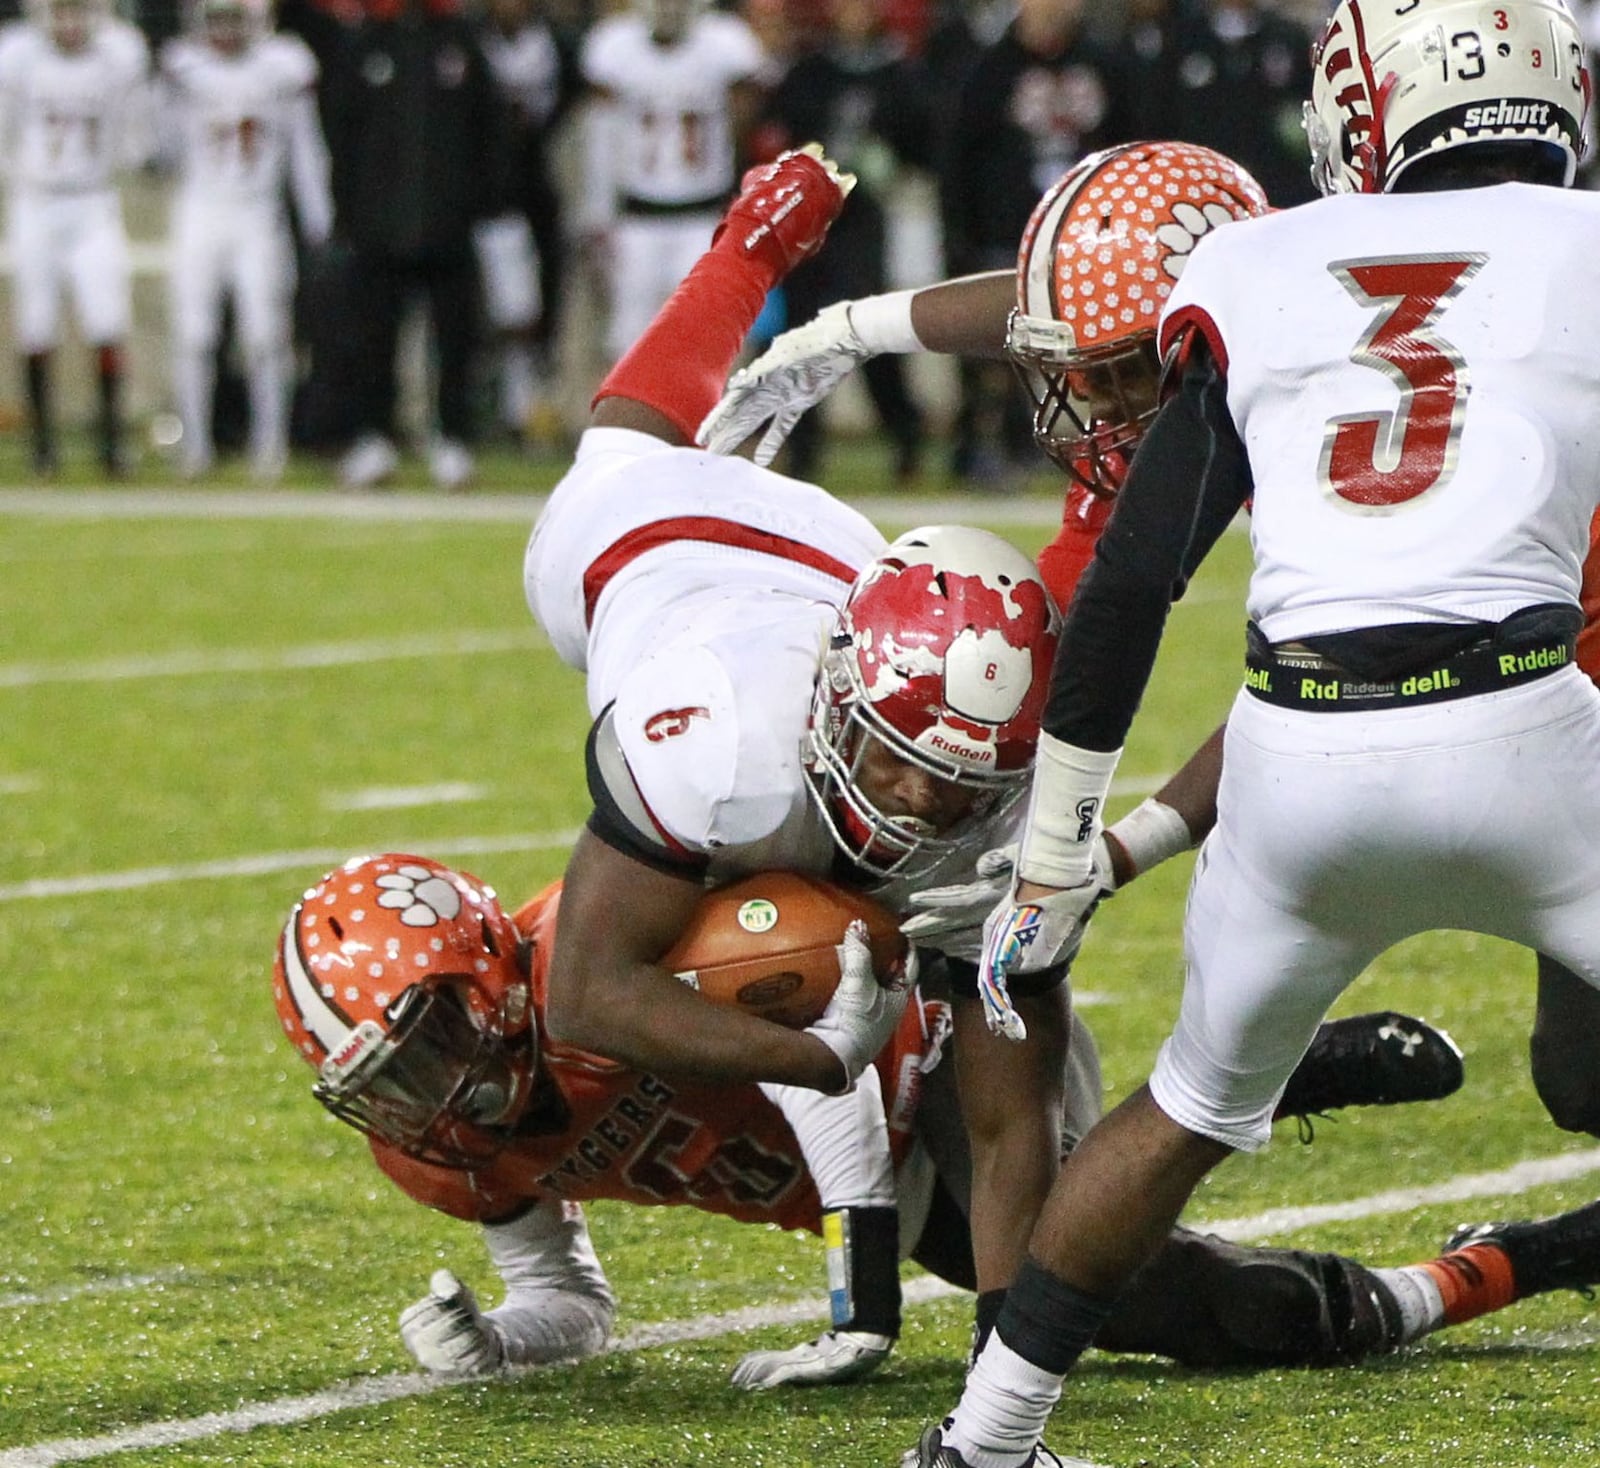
{"points": [[931, 1452], [1560, 1253], [1383, 1059]]}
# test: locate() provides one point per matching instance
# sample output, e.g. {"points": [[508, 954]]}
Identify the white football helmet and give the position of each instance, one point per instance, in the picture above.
{"points": [[1399, 80], [230, 25], [942, 654], [1099, 258]]}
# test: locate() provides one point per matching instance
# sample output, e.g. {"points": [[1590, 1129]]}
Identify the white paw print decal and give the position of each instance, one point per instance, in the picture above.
{"points": [[424, 897], [1192, 226]]}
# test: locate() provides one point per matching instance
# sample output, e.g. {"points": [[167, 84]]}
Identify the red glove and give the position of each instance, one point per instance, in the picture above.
{"points": [[784, 208]]}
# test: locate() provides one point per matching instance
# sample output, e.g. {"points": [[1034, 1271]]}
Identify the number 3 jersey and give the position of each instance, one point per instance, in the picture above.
{"points": [[595, 1129], [1420, 402]]}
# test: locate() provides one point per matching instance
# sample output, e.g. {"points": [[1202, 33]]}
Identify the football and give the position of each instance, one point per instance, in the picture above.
{"points": [[767, 945]]}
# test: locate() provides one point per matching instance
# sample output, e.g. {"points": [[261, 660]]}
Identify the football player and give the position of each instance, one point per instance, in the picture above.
{"points": [[673, 87], [243, 116], [422, 1005], [1102, 252], [1413, 747], [74, 113]]}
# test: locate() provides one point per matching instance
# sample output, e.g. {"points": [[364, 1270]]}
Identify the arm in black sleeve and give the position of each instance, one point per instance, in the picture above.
{"points": [[1188, 480]]}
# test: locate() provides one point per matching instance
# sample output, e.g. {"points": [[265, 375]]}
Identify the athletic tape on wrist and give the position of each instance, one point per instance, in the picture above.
{"points": [[883, 323], [1064, 812], [1151, 833]]}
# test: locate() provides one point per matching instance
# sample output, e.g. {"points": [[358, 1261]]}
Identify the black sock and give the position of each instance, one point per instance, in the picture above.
{"points": [[1048, 1322], [37, 373]]}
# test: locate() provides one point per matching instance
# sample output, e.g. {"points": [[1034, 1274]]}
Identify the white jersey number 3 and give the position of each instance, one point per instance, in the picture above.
{"points": [[1379, 460]]}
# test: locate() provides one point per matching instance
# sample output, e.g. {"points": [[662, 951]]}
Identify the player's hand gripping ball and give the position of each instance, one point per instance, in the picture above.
{"points": [[769, 945]]}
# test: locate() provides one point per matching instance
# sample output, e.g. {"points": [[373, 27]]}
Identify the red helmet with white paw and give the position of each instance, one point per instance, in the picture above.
{"points": [[406, 986], [1098, 260], [942, 655]]}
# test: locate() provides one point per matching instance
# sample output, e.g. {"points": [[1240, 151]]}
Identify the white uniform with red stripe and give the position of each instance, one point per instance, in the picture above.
{"points": [[698, 593], [69, 122], [245, 123], [1418, 391], [661, 153]]}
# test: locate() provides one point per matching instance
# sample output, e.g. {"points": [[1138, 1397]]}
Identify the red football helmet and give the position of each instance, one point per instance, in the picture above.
{"points": [[406, 986], [942, 654], [1097, 263]]}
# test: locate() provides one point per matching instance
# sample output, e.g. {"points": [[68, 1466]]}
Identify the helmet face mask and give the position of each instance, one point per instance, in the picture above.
{"points": [[1099, 258], [1090, 408], [230, 27], [940, 662], [404, 984], [1393, 85]]}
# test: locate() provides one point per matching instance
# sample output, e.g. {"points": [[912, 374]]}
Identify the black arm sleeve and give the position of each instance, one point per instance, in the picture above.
{"points": [[1188, 480]]}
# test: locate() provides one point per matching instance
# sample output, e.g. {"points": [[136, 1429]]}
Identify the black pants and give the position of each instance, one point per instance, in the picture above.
{"points": [[383, 285]]}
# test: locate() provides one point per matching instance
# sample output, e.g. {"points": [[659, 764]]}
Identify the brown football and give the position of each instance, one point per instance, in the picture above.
{"points": [[767, 945]]}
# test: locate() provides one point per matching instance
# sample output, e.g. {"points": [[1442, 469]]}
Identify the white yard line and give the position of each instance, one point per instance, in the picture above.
{"points": [[266, 863], [207, 662], [373, 1391], [111, 1285], [406, 797]]}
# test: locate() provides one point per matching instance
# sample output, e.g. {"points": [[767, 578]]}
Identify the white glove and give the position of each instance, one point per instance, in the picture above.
{"points": [[940, 912], [835, 1357], [863, 1013], [796, 372], [1026, 937], [447, 1332]]}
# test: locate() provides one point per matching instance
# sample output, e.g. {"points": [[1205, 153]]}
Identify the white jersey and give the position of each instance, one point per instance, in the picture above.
{"points": [[674, 139], [1419, 411], [70, 121], [244, 122], [699, 591]]}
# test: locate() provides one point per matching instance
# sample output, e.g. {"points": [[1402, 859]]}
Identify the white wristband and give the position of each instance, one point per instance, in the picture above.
{"points": [[1150, 833], [883, 323], [1064, 812]]}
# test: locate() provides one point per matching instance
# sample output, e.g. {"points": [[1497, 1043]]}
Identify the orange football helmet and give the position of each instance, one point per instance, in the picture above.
{"points": [[1098, 260], [405, 984]]}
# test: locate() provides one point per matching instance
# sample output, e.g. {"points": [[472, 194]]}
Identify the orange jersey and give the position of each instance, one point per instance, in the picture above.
{"points": [[612, 1132]]}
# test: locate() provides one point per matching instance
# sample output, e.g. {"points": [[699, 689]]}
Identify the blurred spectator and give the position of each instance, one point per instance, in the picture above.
{"points": [[866, 103], [419, 142], [1231, 75], [74, 110], [673, 95], [240, 104], [522, 253], [1032, 104]]}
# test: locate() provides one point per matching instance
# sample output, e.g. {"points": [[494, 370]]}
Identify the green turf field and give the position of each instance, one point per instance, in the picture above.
{"points": [[202, 711]]}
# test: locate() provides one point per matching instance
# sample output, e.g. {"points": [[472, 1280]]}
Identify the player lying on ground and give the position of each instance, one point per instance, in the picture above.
{"points": [[422, 1005], [1136, 213]]}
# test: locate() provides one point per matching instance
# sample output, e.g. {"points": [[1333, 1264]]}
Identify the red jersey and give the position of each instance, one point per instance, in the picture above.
{"points": [[596, 1129]]}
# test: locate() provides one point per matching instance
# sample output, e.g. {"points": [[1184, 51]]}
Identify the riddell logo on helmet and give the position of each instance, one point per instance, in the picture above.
{"points": [[972, 754], [1506, 113]]}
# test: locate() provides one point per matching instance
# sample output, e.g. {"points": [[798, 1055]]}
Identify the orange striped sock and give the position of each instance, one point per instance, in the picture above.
{"points": [[1473, 1281]]}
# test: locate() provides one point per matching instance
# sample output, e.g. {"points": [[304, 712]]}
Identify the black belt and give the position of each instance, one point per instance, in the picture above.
{"points": [[635, 207], [1301, 679]]}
